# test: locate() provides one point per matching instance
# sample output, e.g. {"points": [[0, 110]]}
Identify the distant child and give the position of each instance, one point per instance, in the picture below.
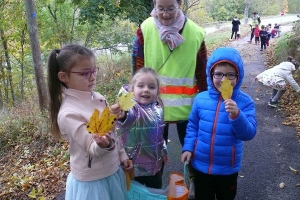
{"points": [[94, 160], [273, 33], [256, 34], [268, 29], [216, 129], [277, 78], [141, 128], [278, 30], [263, 37]]}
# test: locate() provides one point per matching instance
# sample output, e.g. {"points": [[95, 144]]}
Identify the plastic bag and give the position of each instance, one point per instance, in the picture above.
{"points": [[176, 190]]}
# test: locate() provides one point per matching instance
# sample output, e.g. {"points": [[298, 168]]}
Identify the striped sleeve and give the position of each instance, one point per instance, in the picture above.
{"points": [[138, 51]]}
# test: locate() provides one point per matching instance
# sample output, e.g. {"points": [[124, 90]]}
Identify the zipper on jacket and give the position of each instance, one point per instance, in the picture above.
{"points": [[212, 143]]}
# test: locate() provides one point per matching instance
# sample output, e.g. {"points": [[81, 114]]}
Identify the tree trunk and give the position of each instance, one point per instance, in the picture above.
{"points": [[36, 54], [186, 7], [246, 12], [8, 66], [23, 35]]}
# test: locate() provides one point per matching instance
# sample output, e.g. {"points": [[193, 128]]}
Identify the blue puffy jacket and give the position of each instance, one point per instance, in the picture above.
{"points": [[212, 136]]}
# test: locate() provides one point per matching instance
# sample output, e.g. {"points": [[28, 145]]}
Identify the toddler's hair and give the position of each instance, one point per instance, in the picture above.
{"points": [[62, 60], [142, 71]]}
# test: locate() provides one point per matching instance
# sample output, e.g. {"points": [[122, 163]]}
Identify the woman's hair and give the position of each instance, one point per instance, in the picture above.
{"points": [[62, 60], [142, 71], [178, 1]]}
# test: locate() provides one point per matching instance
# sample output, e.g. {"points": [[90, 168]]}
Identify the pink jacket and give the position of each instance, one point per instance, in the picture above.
{"points": [[75, 111], [256, 32]]}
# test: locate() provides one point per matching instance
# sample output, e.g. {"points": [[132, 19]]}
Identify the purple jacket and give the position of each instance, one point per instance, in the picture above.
{"points": [[142, 137]]}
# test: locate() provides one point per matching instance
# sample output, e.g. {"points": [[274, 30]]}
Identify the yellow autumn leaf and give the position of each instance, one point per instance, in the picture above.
{"points": [[103, 124], [92, 126], [32, 194], [226, 89], [125, 101]]}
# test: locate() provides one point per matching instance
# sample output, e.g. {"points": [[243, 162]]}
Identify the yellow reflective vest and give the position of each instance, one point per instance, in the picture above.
{"points": [[176, 69]]}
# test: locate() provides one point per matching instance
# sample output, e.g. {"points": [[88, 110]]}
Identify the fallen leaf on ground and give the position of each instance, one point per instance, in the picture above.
{"points": [[282, 185]]}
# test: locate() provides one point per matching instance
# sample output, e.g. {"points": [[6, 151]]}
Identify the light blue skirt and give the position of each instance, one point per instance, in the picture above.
{"points": [[109, 188]]}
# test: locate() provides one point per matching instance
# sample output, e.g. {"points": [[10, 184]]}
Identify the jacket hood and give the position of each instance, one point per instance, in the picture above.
{"points": [[286, 66], [229, 55]]}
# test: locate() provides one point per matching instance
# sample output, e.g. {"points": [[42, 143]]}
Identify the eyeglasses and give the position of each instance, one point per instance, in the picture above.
{"points": [[220, 75], [168, 10], [87, 73]]}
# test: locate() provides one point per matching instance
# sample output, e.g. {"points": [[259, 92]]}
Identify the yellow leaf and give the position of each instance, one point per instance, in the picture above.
{"points": [[226, 89], [125, 101], [92, 125], [103, 124], [32, 194], [106, 122]]}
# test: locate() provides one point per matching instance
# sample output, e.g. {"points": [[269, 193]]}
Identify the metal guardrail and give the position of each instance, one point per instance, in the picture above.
{"points": [[218, 24]]}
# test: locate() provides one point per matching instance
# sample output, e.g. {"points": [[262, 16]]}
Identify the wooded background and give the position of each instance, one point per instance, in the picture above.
{"points": [[97, 24]]}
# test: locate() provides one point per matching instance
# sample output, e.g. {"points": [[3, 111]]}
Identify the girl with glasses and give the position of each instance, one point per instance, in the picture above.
{"points": [[94, 160]]}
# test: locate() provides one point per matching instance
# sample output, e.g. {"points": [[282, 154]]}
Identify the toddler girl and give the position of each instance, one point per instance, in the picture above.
{"points": [[141, 128]]}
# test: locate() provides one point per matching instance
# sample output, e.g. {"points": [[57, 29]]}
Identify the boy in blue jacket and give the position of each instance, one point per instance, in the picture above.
{"points": [[216, 128]]}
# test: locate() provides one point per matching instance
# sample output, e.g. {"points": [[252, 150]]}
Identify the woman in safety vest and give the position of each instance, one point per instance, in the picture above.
{"points": [[174, 46]]}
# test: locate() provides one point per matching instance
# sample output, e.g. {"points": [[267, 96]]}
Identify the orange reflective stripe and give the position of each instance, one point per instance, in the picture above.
{"points": [[179, 90]]}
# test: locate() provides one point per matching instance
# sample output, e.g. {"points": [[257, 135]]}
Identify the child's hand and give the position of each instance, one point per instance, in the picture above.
{"points": [[186, 156], [165, 159], [127, 164], [231, 108], [115, 109], [103, 141]]}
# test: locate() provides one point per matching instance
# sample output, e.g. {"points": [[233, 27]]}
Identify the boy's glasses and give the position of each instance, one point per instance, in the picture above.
{"points": [[220, 75], [168, 10], [88, 72]]}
